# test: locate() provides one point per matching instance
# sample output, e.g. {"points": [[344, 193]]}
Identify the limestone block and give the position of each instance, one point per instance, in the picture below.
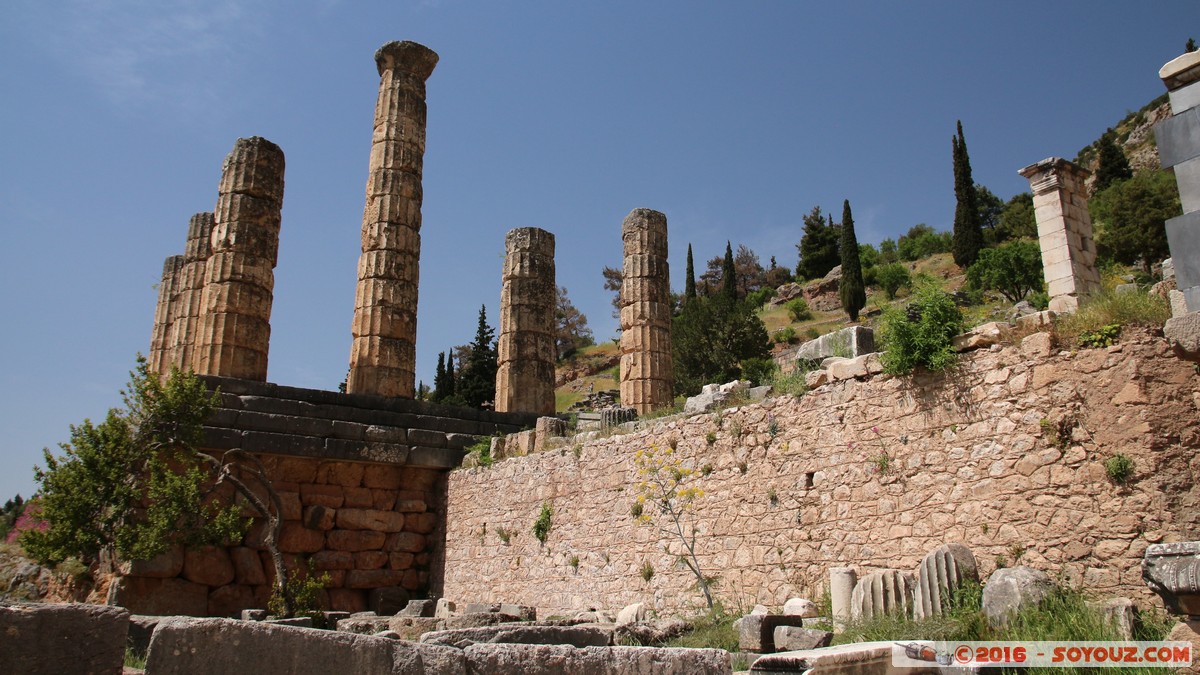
{"points": [[72, 638], [1013, 589], [296, 538], [254, 167], [576, 636], [940, 574], [405, 541], [982, 336], [370, 560], [369, 579], [847, 343], [355, 540], [802, 607], [388, 601], [160, 597], [230, 600], [882, 593], [370, 519], [848, 369], [632, 614], [163, 566], [385, 233], [557, 659], [861, 658], [208, 565], [333, 560], [1184, 333], [757, 631], [1188, 630], [816, 378], [247, 566], [445, 608], [1037, 345], [791, 638]]}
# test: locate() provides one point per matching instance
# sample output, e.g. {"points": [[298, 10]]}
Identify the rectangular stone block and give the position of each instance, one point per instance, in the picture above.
{"points": [[1178, 138], [63, 638], [1183, 237], [757, 633]]}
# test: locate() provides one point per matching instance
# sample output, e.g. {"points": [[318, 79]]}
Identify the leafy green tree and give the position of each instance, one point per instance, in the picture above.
{"points": [[571, 330], [614, 278], [990, 207], [818, 246], [1013, 268], [137, 483], [1131, 216], [477, 377], [748, 271], [851, 288], [1113, 165], [921, 334], [892, 277], [887, 251], [1017, 220], [778, 276], [968, 233], [710, 339], [922, 241]]}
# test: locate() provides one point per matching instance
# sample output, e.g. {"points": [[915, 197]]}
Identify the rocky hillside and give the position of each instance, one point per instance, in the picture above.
{"points": [[1135, 133]]}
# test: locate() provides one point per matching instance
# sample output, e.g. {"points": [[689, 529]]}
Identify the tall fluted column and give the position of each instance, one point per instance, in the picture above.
{"points": [[525, 376], [383, 351], [235, 307], [159, 359], [646, 375], [186, 315]]}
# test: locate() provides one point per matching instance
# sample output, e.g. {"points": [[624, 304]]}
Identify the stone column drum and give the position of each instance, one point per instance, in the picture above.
{"points": [[525, 376], [1064, 231], [646, 376], [1178, 139], [234, 324], [185, 323], [383, 351], [159, 359]]}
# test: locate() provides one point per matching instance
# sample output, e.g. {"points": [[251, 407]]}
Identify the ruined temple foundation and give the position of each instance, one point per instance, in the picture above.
{"points": [[1064, 231], [383, 351], [646, 376], [1178, 139], [525, 376], [234, 324]]}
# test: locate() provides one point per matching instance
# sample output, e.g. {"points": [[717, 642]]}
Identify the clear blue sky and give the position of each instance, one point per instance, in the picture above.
{"points": [[733, 118]]}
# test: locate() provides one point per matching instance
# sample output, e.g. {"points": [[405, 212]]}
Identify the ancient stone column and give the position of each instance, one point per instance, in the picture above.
{"points": [[646, 376], [383, 351], [234, 323], [159, 359], [1064, 231], [185, 323], [525, 376], [1178, 140]]}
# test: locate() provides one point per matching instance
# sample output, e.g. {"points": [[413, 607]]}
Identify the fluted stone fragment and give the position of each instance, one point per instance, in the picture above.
{"points": [[1173, 572], [526, 352], [940, 575], [383, 350], [234, 318], [647, 381], [185, 324], [882, 593], [159, 360]]}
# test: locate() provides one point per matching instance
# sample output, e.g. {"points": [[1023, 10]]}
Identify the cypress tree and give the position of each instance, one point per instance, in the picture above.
{"points": [[450, 379], [439, 378], [477, 379], [818, 246], [1114, 167], [689, 289], [968, 234], [852, 289], [729, 275]]}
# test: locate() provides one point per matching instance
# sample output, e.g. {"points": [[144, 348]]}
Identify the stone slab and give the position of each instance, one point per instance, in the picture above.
{"points": [[72, 638], [501, 659], [575, 636], [1178, 138], [1187, 178], [757, 631], [1183, 236]]}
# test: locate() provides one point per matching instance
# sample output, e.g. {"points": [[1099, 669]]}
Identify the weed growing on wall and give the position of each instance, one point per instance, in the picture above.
{"points": [[1119, 468], [541, 526], [921, 335], [662, 477]]}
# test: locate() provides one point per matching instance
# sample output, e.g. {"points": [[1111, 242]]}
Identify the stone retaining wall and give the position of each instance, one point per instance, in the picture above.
{"points": [[362, 482], [1005, 454]]}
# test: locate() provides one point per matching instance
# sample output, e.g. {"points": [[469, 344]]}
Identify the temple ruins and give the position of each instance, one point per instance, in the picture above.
{"points": [[1064, 231], [525, 373], [646, 376]]}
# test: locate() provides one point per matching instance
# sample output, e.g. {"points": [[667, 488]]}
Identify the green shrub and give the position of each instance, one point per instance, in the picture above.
{"points": [[760, 297], [1119, 468], [784, 335], [305, 590], [1014, 269], [892, 278], [797, 309], [1104, 336], [793, 383], [482, 451], [647, 571], [1040, 300], [922, 334], [758, 370], [541, 526]]}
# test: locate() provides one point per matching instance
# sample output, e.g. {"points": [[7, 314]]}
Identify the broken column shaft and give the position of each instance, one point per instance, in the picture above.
{"points": [[646, 375], [159, 360], [1064, 231], [234, 329], [186, 316], [525, 376], [383, 351]]}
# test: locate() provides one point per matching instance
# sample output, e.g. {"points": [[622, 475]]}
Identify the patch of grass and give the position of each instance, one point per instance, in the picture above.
{"points": [[482, 451], [134, 659], [647, 571], [791, 384], [1107, 309], [504, 534], [713, 630]]}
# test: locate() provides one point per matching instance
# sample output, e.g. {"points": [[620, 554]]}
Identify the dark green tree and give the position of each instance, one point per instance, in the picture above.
{"points": [[439, 379], [922, 241], [729, 287], [710, 340], [818, 246], [968, 234], [990, 208], [689, 289], [477, 376], [851, 288], [1131, 218], [887, 251], [1190, 46], [1013, 268], [1113, 165], [1017, 220], [451, 376], [892, 277]]}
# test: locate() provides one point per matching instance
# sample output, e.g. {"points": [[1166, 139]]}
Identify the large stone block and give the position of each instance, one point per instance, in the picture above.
{"points": [[222, 646], [208, 565], [847, 343], [577, 636], [1013, 589], [54, 639], [159, 597], [757, 631], [494, 659], [370, 519]]}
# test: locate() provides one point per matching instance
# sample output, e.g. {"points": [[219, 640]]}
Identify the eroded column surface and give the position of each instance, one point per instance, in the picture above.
{"points": [[234, 322], [383, 351], [525, 376], [1178, 140], [186, 315], [159, 359], [646, 376], [1064, 231]]}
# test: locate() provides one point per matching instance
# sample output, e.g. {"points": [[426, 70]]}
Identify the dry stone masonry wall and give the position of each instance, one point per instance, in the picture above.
{"points": [[1064, 231], [1004, 454], [383, 351], [234, 326], [526, 351], [646, 373]]}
